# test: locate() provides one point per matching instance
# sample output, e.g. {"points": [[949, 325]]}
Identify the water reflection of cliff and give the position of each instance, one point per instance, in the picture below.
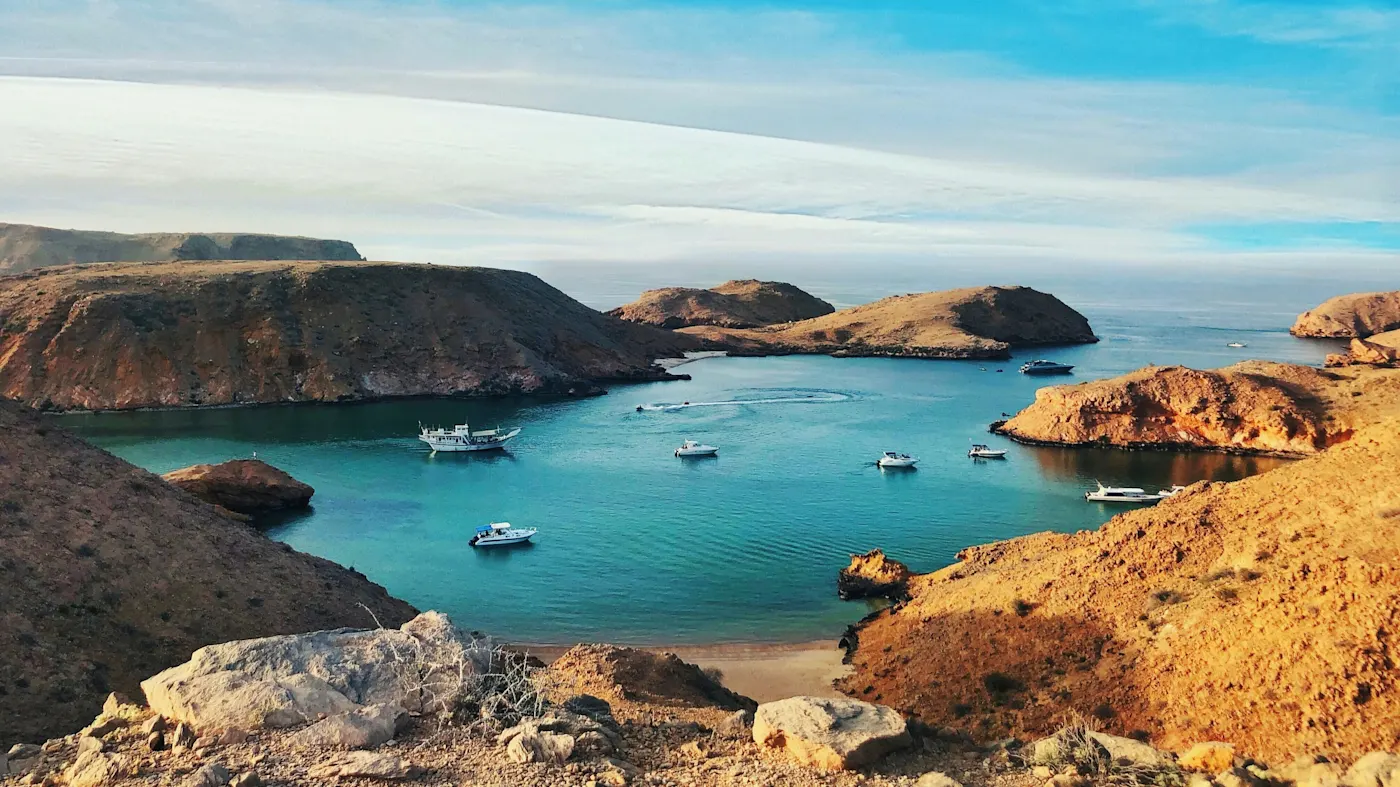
{"points": [[1151, 467]]}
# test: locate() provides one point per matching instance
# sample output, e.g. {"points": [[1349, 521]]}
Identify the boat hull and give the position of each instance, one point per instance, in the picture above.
{"points": [[1045, 372], [502, 542], [988, 455], [897, 464], [695, 453], [1145, 500]]}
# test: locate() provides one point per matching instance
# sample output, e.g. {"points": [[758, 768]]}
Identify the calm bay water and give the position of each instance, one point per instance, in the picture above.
{"points": [[637, 546]]}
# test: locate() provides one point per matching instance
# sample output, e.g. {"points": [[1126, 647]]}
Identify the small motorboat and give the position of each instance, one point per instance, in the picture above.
{"points": [[1236, 344], [895, 459], [980, 451], [1129, 495], [1045, 367], [501, 534], [1174, 491], [692, 448]]}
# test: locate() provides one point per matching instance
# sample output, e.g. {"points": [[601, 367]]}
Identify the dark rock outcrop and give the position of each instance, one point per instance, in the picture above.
{"points": [[873, 575], [25, 246], [120, 336], [246, 486]]}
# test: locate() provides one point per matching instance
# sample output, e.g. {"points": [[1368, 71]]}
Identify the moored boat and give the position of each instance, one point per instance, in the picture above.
{"points": [[1129, 495], [462, 438], [1045, 367], [1174, 491], [896, 459], [500, 534], [693, 448], [980, 451]]}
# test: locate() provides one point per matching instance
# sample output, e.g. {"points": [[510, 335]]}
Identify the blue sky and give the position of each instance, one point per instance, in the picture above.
{"points": [[1133, 131]]}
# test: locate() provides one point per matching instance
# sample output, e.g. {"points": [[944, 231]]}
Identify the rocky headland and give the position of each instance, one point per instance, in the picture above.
{"points": [[244, 486], [108, 574], [742, 303], [1252, 407], [1351, 316], [1258, 613], [120, 336], [25, 246], [976, 322], [1381, 349]]}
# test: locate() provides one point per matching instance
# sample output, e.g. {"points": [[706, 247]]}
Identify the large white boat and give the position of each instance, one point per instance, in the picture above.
{"points": [[980, 451], [1045, 367], [500, 534], [462, 438], [895, 459], [1121, 494], [692, 448]]}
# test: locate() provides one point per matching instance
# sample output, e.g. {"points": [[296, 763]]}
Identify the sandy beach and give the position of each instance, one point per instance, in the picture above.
{"points": [[764, 672]]}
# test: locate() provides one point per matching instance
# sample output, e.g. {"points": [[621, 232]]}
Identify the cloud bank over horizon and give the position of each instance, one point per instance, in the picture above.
{"points": [[509, 135]]}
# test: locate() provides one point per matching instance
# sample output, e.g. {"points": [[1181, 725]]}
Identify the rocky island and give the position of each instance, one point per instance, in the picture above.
{"points": [[1351, 316], [746, 303], [121, 336], [1252, 407], [975, 322], [244, 486], [25, 246]]}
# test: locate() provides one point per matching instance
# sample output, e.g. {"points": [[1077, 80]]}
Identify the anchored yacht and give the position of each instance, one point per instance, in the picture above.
{"points": [[895, 459], [1045, 367], [692, 448], [1121, 494], [980, 451], [500, 534], [462, 438]]}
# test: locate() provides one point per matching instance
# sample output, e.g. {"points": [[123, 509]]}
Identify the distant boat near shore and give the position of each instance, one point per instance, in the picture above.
{"points": [[1040, 367], [1236, 344]]}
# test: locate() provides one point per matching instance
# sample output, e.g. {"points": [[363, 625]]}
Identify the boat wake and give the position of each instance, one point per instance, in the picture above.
{"points": [[823, 397]]}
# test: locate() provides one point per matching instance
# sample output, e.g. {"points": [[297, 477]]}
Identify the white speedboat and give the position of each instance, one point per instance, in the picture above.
{"points": [[894, 459], [500, 534], [1045, 367], [1120, 494], [462, 438], [1174, 491], [980, 451], [692, 448], [1236, 344]]}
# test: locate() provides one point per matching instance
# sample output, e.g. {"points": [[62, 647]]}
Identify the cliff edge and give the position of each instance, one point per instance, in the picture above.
{"points": [[1351, 316], [118, 336], [975, 322], [109, 574], [25, 246], [1252, 407], [742, 303]]}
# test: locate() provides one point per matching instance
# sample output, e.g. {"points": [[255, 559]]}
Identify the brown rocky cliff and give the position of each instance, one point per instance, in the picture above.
{"points": [[1252, 407], [117, 336], [746, 303], [108, 575], [1351, 316], [974, 322], [25, 246], [246, 486], [1258, 612]]}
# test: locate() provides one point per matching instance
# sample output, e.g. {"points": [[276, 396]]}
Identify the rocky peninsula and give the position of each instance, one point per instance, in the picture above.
{"points": [[746, 303], [25, 246], [1351, 316], [244, 486], [109, 574], [1252, 407], [121, 336], [975, 322]]}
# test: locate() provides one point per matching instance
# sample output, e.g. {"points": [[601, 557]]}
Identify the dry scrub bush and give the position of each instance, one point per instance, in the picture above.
{"points": [[1079, 752]]}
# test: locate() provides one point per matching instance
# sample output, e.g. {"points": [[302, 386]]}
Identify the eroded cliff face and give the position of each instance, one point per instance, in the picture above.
{"points": [[183, 334], [1259, 612], [746, 303], [1351, 316], [108, 575], [974, 322], [25, 246], [1252, 407]]}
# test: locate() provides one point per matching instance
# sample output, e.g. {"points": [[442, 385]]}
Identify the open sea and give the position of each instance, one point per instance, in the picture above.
{"points": [[636, 546]]}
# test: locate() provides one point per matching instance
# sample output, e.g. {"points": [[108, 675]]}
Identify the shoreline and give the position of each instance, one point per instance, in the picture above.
{"points": [[761, 671]]}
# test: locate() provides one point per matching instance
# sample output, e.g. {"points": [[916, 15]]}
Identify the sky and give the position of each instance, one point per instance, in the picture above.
{"points": [[1119, 132]]}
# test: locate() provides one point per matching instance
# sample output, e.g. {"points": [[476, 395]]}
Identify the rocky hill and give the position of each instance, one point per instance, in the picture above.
{"points": [[1260, 613], [109, 574], [25, 246], [116, 336], [1251, 407], [1351, 316], [975, 322], [746, 303]]}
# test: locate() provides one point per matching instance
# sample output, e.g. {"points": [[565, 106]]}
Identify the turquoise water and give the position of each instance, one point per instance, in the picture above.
{"points": [[636, 546]]}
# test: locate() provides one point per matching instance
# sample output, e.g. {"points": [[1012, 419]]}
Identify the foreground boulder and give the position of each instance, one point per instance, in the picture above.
{"points": [[247, 486], [426, 666], [873, 575], [1351, 316], [744, 303], [830, 734], [1382, 350]]}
